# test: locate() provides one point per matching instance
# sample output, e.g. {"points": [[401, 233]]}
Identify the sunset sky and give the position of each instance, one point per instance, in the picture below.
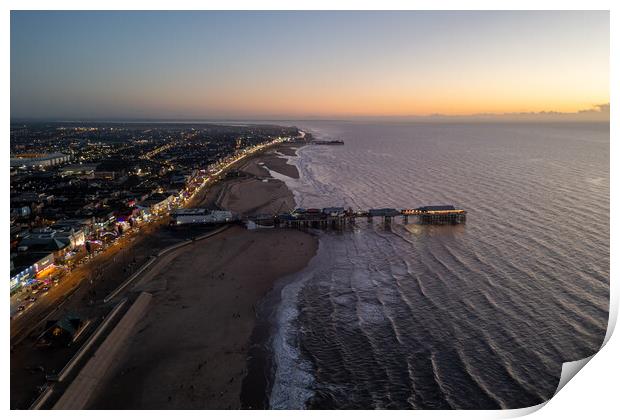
{"points": [[201, 65]]}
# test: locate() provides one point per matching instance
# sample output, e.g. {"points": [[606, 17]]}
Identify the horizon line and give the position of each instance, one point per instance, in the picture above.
{"points": [[600, 112]]}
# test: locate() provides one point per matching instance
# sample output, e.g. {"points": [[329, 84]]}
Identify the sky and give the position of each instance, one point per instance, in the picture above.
{"points": [[306, 64]]}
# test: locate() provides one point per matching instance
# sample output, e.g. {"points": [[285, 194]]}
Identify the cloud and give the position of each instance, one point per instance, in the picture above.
{"points": [[597, 109], [598, 112]]}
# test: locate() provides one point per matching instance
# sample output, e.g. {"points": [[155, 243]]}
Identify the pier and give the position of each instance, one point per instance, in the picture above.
{"points": [[325, 218], [328, 142], [338, 217]]}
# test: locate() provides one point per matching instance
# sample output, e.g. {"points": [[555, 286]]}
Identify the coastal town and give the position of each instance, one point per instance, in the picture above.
{"points": [[92, 206], [77, 190]]}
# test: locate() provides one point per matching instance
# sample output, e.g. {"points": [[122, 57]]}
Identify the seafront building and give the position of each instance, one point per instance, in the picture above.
{"points": [[201, 216], [33, 160]]}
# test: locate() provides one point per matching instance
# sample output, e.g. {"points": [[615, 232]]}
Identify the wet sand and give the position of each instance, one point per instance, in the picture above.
{"points": [[255, 191], [278, 164], [190, 350]]}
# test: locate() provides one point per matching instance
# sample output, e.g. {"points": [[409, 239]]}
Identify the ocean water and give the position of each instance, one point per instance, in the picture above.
{"points": [[475, 316]]}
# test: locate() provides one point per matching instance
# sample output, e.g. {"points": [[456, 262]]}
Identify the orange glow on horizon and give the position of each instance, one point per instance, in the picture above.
{"points": [[367, 101]]}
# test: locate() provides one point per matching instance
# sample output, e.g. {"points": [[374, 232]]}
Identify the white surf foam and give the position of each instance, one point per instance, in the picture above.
{"points": [[293, 380]]}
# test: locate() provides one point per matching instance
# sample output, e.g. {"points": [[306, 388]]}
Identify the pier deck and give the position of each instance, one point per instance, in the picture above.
{"points": [[337, 217]]}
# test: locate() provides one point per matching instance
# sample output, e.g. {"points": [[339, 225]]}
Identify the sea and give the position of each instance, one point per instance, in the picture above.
{"points": [[473, 316]]}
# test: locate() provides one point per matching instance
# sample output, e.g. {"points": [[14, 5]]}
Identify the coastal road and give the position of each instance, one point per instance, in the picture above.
{"points": [[119, 253], [29, 365]]}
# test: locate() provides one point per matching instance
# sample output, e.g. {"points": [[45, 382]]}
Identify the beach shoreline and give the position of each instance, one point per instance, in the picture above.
{"points": [[262, 364], [203, 315]]}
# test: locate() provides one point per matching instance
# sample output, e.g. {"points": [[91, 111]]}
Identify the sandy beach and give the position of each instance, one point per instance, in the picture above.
{"points": [[254, 191], [190, 350]]}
